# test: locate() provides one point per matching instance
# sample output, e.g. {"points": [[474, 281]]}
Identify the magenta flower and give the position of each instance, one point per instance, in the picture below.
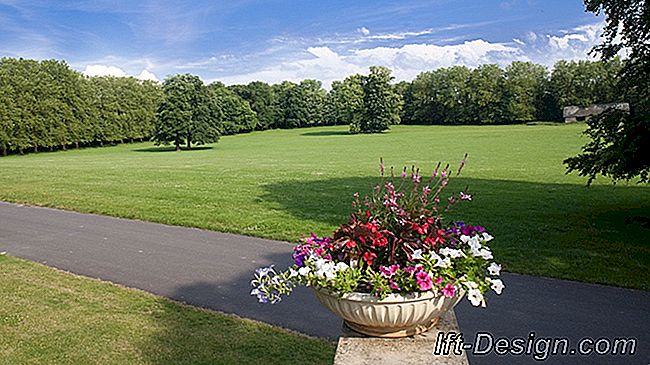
{"points": [[393, 285], [389, 271], [449, 290], [438, 281], [424, 281]]}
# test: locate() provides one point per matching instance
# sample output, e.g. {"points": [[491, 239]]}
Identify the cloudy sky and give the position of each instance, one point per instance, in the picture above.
{"points": [[238, 41]]}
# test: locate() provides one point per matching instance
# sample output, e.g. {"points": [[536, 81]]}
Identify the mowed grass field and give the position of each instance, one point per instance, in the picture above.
{"points": [[284, 184], [52, 317]]}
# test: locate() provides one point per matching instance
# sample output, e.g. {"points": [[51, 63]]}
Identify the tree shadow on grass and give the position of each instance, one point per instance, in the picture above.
{"points": [[560, 230], [171, 149], [326, 133], [202, 337]]}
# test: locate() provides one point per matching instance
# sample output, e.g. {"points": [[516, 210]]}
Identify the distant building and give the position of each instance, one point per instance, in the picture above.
{"points": [[575, 113]]}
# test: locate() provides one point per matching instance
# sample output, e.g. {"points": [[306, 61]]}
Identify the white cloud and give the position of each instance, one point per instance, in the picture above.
{"points": [[102, 70], [147, 75], [363, 30]]}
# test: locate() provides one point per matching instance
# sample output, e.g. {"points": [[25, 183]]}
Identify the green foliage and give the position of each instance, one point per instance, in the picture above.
{"points": [[524, 86], [46, 104], [381, 103], [189, 113], [302, 104], [619, 142], [344, 103], [487, 94], [238, 117], [262, 100]]}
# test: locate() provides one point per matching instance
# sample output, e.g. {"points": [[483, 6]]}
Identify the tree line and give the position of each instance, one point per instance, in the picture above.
{"points": [[48, 105]]}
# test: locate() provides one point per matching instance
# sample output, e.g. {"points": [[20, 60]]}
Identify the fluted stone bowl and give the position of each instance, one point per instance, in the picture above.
{"points": [[394, 316]]}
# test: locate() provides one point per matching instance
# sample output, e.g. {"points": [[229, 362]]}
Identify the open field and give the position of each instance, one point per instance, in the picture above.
{"points": [[52, 317], [283, 184]]}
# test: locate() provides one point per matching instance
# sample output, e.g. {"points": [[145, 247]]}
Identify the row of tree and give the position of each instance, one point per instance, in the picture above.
{"points": [[523, 91], [46, 104]]}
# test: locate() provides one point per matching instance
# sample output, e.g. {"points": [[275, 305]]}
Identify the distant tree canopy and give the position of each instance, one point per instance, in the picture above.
{"points": [[47, 105]]}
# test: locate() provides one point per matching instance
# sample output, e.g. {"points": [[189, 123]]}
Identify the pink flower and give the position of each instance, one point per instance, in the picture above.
{"points": [[424, 281], [393, 285], [438, 281], [388, 271], [449, 290]]}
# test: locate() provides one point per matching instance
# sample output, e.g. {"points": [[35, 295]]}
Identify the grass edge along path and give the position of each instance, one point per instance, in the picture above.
{"points": [[49, 316]]}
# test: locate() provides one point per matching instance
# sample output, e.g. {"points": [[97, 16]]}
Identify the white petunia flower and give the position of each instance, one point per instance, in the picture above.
{"points": [[475, 297], [417, 254], [497, 285], [292, 272], [486, 253], [494, 269], [341, 266], [451, 252], [470, 284], [443, 263], [304, 271], [464, 238], [487, 237]]}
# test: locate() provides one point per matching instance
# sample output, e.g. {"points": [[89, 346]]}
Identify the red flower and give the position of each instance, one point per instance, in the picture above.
{"points": [[422, 229], [372, 226], [379, 240], [350, 244], [369, 257]]}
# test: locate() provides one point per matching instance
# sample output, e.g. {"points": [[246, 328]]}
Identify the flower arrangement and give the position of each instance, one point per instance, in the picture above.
{"points": [[394, 243]]}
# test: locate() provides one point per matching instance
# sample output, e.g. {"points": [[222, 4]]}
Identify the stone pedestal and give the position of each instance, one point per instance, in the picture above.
{"points": [[357, 349]]}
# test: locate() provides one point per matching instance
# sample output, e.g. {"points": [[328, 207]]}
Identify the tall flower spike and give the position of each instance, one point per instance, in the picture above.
{"points": [[462, 164]]}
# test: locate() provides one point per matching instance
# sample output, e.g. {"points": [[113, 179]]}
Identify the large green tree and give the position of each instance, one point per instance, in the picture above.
{"points": [[188, 113], [619, 145], [381, 103]]}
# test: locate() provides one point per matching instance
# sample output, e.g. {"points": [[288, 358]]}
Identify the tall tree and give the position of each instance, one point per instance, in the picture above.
{"points": [[381, 104], [619, 145], [524, 87], [188, 113]]}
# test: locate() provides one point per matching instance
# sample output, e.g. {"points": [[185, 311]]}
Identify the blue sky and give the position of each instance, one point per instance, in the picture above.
{"points": [[241, 41]]}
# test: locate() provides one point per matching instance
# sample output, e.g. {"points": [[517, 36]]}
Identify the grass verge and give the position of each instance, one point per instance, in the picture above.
{"points": [[53, 317]]}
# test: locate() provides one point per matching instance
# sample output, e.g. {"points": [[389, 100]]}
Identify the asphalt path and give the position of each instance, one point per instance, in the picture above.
{"points": [[213, 270]]}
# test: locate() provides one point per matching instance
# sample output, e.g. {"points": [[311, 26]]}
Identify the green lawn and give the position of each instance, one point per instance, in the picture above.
{"points": [[52, 317], [283, 184]]}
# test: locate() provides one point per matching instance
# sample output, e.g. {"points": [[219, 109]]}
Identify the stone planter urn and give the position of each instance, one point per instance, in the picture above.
{"points": [[394, 316]]}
